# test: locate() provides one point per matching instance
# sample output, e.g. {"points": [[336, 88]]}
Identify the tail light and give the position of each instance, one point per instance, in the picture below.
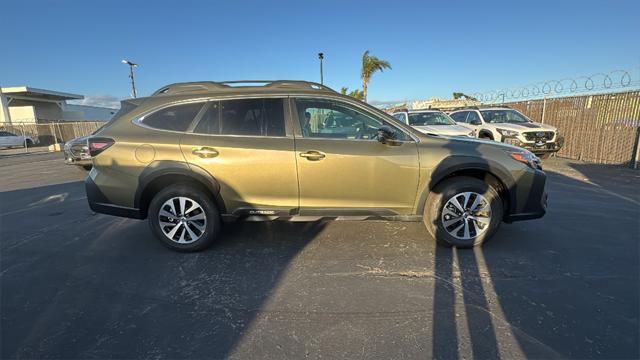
{"points": [[98, 145]]}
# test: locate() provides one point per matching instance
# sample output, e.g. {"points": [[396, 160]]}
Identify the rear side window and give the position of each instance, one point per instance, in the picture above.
{"points": [[175, 118], [249, 117]]}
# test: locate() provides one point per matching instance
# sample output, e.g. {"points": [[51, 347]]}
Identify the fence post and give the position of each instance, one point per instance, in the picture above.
{"points": [[636, 157], [52, 131], [544, 106], [24, 138], [60, 131]]}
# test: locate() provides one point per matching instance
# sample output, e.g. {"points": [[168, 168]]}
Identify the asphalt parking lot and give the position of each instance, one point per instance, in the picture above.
{"points": [[75, 284]]}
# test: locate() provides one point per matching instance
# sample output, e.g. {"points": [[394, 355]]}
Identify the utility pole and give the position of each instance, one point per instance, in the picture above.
{"points": [[321, 57], [133, 82]]}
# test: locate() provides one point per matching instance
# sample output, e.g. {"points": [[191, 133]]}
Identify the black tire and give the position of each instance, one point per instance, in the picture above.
{"points": [[29, 143], [212, 224], [445, 191], [485, 136]]}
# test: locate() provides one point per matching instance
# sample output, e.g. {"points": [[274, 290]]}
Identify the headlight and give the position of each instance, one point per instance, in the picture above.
{"points": [[505, 132], [526, 157]]}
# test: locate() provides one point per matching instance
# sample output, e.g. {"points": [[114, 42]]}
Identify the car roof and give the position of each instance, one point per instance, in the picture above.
{"points": [[417, 111], [240, 87]]}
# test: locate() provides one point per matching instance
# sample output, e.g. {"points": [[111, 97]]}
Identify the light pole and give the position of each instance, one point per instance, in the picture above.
{"points": [[133, 83], [321, 57]]}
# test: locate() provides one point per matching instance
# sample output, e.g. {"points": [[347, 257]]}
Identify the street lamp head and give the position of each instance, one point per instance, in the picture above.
{"points": [[124, 61]]}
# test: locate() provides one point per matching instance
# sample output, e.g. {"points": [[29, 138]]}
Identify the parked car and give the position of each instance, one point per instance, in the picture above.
{"points": [[510, 126], [76, 152], [194, 154], [9, 139], [432, 122]]}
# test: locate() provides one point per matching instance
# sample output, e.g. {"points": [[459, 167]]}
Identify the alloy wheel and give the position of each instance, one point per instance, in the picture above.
{"points": [[466, 215], [182, 220]]}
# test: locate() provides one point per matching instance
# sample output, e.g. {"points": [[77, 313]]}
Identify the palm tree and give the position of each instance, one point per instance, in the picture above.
{"points": [[358, 94], [458, 95], [371, 64]]}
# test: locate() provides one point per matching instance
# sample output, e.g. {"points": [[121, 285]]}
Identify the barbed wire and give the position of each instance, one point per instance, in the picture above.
{"points": [[599, 82]]}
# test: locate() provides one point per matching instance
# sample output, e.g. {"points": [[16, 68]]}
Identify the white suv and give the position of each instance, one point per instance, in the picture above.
{"points": [[432, 122], [512, 127]]}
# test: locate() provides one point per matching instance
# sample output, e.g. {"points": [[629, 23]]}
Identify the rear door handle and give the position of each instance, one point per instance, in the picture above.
{"points": [[313, 155], [205, 152]]}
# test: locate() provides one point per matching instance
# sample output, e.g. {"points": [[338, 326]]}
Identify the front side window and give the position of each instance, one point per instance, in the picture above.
{"points": [[401, 117], [335, 120], [460, 116], [430, 119], [175, 118], [473, 118], [503, 116]]}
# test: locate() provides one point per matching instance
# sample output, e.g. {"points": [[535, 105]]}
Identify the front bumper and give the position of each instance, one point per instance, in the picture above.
{"points": [[79, 158], [530, 198], [536, 147]]}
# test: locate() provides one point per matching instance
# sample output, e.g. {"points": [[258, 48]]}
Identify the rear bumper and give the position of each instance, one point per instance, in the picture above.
{"points": [[530, 200], [100, 204]]}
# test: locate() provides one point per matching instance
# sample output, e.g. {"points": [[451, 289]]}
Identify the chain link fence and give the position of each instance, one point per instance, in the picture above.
{"points": [[45, 134], [602, 129]]}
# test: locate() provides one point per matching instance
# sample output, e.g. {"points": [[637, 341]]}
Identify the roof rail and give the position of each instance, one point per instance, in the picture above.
{"points": [[217, 85], [177, 88]]}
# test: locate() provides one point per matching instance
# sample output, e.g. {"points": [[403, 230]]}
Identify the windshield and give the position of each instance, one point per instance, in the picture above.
{"points": [[503, 116], [430, 118]]}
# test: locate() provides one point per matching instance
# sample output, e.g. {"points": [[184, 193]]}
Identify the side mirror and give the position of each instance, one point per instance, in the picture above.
{"points": [[476, 122], [388, 136]]}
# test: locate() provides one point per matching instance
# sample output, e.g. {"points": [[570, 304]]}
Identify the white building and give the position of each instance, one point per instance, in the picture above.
{"points": [[23, 104]]}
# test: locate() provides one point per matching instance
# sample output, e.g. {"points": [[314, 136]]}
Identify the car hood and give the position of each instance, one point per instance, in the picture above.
{"points": [[532, 126], [475, 141], [452, 130]]}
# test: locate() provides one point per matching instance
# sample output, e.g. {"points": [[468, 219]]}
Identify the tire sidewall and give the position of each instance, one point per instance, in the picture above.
{"points": [[210, 210], [445, 191]]}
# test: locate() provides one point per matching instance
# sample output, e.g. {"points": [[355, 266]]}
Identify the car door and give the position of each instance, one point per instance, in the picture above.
{"points": [[4, 138], [343, 169], [245, 145]]}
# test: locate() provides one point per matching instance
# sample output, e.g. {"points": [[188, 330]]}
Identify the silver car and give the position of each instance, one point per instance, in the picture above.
{"points": [[432, 122]]}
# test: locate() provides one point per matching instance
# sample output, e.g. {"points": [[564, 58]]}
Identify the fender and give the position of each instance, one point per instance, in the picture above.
{"points": [[455, 164], [168, 167]]}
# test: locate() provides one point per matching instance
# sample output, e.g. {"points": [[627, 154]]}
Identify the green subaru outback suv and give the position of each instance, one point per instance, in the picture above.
{"points": [[194, 155]]}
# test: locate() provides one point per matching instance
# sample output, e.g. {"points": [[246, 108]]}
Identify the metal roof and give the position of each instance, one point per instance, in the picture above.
{"points": [[38, 94]]}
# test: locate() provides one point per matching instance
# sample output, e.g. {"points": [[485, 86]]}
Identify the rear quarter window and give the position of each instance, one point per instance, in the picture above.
{"points": [[174, 118]]}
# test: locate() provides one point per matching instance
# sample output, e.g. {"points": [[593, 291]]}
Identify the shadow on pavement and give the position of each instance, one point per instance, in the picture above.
{"points": [[77, 285]]}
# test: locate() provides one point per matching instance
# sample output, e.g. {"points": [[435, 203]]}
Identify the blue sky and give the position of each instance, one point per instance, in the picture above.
{"points": [[435, 48]]}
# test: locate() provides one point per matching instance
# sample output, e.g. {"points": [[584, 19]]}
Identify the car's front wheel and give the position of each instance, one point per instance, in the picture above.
{"points": [[184, 218], [463, 212]]}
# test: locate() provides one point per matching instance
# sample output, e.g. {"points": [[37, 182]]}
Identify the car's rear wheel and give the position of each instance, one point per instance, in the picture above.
{"points": [[463, 212], [184, 218]]}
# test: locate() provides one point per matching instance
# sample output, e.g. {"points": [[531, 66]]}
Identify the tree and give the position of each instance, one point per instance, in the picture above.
{"points": [[370, 65], [458, 95], [358, 94]]}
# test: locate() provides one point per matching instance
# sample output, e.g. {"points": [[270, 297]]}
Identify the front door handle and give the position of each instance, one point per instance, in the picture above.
{"points": [[205, 152], [313, 155]]}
